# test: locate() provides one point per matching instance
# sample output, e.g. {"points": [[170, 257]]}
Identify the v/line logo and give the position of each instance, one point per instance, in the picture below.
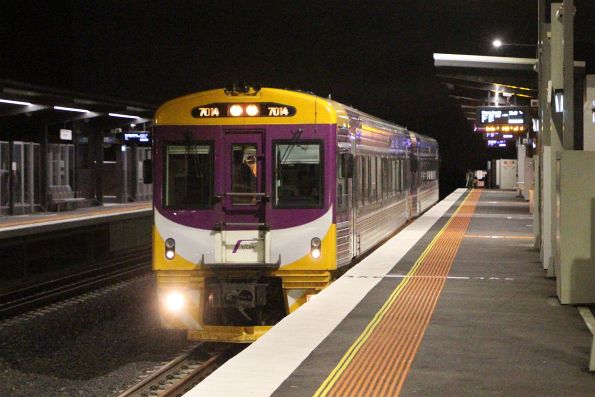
{"points": [[245, 246]]}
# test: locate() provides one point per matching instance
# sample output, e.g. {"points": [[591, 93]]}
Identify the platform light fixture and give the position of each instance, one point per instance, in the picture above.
{"points": [[124, 116], [16, 102], [559, 100], [498, 43], [71, 109]]}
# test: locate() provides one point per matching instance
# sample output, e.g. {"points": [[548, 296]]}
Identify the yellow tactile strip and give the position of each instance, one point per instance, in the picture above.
{"points": [[74, 215], [378, 362]]}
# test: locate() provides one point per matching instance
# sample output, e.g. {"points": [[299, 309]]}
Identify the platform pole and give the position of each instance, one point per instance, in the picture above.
{"points": [[543, 131], [552, 144], [568, 73]]}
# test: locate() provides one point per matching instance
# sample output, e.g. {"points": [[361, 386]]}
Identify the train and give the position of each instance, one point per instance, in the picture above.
{"points": [[264, 196]]}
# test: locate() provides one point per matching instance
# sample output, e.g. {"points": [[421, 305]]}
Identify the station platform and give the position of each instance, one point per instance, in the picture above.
{"points": [[46, 222], [456, 304]]}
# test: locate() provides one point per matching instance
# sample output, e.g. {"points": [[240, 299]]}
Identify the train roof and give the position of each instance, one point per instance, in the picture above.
{"points": [[311, 109]]}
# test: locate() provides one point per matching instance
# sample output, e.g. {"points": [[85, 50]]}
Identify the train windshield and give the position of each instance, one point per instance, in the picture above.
{"points": [[188, 176], [298, 175], [244, 173]]}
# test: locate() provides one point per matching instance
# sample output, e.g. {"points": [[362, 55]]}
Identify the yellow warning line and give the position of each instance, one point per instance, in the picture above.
{"points": [[361, 340]]}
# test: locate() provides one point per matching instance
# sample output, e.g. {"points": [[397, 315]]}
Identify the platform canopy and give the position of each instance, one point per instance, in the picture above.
{"points": [[475, 81], [18, 98]]}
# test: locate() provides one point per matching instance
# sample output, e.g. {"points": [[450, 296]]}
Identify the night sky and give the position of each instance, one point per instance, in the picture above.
{"points": [[373, 55]]}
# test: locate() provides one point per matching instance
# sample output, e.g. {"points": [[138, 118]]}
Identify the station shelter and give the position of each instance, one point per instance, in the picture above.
{"points": [[62, 149]]}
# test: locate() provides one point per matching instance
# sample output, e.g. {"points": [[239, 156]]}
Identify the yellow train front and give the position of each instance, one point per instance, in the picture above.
{"points": [[262, 198]]}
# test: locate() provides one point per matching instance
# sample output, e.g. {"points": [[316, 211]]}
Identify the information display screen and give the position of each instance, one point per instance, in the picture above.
{"points": [[502, 115], [138, 136]]}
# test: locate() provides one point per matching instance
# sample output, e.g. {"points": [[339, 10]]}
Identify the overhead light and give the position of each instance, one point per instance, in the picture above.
{"points": [[497, 43], [124, 116], [15, 102], [70, 109], [559, 100]]}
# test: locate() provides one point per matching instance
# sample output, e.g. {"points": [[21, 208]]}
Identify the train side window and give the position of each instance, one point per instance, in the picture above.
{"points": [[188, 176], [366, 179], [388, 176], [380, 189], [396, 174], [298, 175], [357, 186], [400, 165], [372, 179]]}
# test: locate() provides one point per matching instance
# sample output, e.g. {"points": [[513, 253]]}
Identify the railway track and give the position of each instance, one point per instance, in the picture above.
{"points": [[184, 372], [104, 273]]}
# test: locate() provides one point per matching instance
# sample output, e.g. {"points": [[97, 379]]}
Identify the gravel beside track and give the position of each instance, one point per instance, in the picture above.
{"points": [[96, 347]]}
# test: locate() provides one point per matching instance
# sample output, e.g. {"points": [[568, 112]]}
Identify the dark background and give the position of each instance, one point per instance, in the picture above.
{"points": [[373, 55]]}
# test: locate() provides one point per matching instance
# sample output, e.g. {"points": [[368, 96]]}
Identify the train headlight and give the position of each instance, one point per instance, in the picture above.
{"points": [[236, 110], [174, 302], [315, 247], [252, 110], [170, 248]]}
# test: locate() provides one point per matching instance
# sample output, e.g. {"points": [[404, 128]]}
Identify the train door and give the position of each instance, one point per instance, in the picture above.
{"points": [[344, 207], [244, 229]]}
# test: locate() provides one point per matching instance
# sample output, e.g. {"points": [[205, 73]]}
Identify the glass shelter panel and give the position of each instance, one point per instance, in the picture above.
{"points": [[143, 191], [4, 177], [25, 159], [19, 180], [60, 165]]}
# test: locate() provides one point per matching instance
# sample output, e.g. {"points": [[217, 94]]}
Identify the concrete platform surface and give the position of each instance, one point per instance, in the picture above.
{"points": [[496, 328]]}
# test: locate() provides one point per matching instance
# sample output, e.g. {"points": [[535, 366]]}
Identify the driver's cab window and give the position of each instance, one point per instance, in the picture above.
{"points": [[244, 174]]}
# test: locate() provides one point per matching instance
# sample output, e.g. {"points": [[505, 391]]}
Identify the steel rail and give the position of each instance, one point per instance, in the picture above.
{"points": [[182, 373], [29, 298]]}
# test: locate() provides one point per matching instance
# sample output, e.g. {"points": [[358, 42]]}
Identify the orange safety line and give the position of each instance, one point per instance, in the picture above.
{"points": [[381, 365], [102, 211]]}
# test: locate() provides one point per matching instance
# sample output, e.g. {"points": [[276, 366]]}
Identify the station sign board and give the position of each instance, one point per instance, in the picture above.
{"points": [[65, 135]]}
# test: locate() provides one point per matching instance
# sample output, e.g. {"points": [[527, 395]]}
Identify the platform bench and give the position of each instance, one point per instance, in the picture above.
{"points": [[62, 197]]}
